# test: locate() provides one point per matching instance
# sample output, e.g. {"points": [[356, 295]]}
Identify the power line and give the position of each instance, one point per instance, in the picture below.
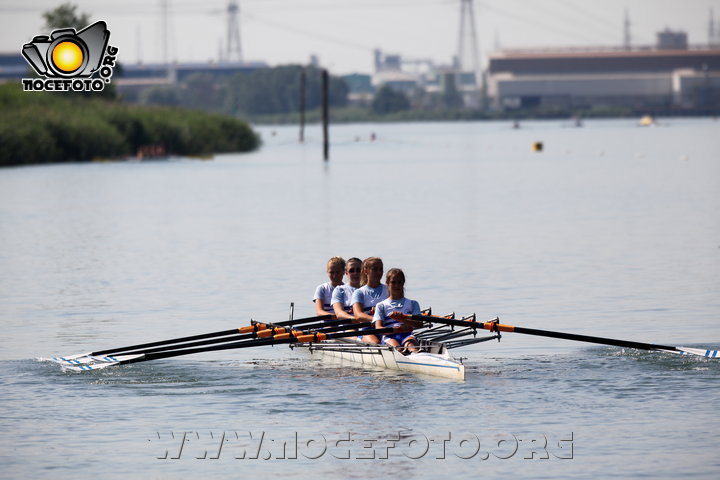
{"points": [[299, 31], [534, 22], [588, 15], [558, 15], [192, 7]]}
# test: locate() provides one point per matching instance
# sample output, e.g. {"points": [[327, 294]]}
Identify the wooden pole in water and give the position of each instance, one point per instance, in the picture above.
{"points": [[325, 114], [302, 106]]}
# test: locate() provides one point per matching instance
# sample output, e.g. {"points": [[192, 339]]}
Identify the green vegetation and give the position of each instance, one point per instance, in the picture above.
{"points": [[65, 16], [267, 91], [388, 100], [38, 127]]}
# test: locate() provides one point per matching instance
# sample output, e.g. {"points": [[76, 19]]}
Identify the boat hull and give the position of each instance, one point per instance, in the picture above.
{"points": [[438, 364]]}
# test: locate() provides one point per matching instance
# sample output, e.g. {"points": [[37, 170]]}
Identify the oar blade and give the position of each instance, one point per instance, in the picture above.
{"points": [[88, 367], [78, 359], [496, 326], [699, 351], [268, 336], [66, 358], [84, 362]]}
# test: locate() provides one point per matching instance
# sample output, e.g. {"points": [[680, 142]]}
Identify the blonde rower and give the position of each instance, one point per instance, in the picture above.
{"points": [[323, 293], [369, 294]]}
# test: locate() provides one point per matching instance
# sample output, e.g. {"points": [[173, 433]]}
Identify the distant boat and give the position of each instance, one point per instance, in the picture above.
{"points": [[647, 121]]}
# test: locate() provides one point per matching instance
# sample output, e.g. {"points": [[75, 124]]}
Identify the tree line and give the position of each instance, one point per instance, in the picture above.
{"points": [[42, 127], [266, 91]]}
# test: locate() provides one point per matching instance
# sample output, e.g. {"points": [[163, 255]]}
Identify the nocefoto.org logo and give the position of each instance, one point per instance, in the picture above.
{"points": [[68, 59]]}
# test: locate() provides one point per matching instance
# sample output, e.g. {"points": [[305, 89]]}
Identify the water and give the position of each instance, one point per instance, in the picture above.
{"points": [[613, 230]]}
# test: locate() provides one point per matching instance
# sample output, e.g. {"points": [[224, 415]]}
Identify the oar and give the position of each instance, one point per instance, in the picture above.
{"points": [[293, 336], [299, 321], [290, 337], [495, 326], [222, 333], [254, 331]]}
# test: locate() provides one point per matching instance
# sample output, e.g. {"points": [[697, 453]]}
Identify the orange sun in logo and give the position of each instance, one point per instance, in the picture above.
{"points": [[67, 56]]}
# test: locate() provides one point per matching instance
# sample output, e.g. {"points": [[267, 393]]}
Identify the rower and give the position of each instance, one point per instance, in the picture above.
{"points": [[391, 312], [369, 294], [323, 293], [342, 295]]}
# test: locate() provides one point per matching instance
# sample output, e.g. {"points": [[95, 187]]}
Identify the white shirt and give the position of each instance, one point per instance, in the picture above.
{"points": [[369, 297], [388, 306], [324, 292], [343, 294]]}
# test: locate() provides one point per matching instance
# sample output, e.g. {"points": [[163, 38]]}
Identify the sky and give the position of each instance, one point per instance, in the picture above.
{"points": [[344, 33]]}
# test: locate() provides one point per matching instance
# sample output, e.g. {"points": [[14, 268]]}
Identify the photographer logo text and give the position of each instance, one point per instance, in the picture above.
{"points": [[71, 61]]}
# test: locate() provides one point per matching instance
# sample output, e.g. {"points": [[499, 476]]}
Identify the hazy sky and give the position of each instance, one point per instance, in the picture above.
{"points": [[343, 33]]}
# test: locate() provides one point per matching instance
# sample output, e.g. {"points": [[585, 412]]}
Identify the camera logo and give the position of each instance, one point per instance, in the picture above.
{"points": [[69, 60]]}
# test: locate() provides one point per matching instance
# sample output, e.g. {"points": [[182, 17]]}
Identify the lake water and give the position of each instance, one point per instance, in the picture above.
{"points": [[612, 230]]}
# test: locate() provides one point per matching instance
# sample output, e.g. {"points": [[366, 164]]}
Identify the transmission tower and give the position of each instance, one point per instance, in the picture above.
{"points": [[468, 56], [626, 32], [234, 49], [164, 18], [166, 40]]}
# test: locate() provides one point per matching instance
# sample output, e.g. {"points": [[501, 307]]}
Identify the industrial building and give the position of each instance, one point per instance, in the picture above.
{"points": [[670, 75]]}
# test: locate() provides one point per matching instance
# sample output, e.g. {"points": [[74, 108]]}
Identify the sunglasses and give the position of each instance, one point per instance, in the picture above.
{"points": [[354, 270]]}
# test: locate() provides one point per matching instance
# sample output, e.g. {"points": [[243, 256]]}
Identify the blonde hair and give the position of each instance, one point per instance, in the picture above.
{"points": [[366, 264], [339, 261]]}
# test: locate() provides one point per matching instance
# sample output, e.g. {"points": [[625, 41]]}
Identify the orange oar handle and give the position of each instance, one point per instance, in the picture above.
{"points": [[313, 337], [288, 334], [253, 328], [495, 327]]}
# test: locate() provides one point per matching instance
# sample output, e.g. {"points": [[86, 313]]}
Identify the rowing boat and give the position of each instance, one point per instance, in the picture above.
{"points": [[335, 339], [433, 359]]}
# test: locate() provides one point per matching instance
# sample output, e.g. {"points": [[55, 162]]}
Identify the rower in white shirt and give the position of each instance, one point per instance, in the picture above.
{"points": [[390, 313], [342, 295], [370, 294], [323, 292]]}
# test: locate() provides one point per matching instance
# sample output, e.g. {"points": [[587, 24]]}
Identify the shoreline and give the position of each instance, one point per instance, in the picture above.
{"points": [[356, 115], [43, 128]]}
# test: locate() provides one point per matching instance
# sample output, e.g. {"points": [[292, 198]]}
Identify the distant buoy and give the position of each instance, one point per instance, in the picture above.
{"points": [[647, 121], [537, 147]]}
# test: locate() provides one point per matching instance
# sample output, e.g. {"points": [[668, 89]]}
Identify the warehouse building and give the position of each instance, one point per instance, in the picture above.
{"points": [[666, 76]]}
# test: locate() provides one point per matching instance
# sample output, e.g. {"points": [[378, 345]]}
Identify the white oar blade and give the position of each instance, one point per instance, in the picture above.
{"points": [[65, 359], [84, 368], [71, 360], [700, 352], [79, 359], [83, 362]]}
